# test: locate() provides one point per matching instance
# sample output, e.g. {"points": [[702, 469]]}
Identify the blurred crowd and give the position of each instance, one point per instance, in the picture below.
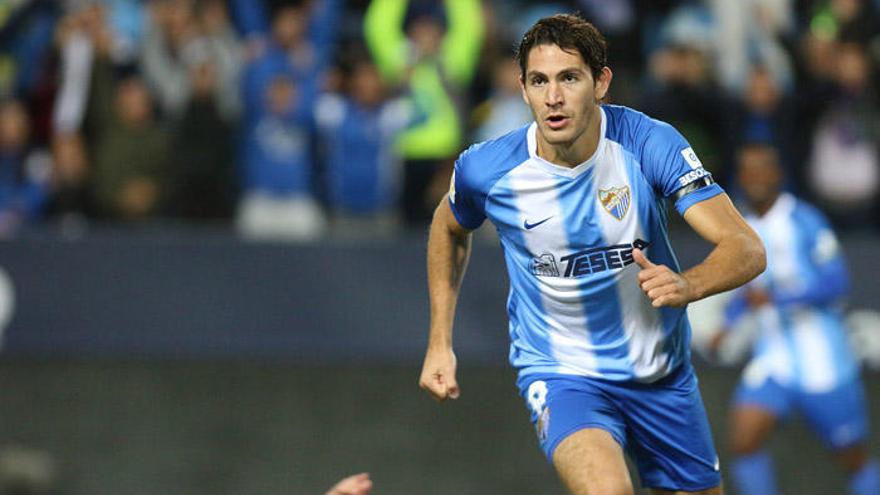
{"points": [[301, 119]]}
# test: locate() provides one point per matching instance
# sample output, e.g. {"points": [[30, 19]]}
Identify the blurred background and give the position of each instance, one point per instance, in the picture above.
{"points": [[213, 218]]}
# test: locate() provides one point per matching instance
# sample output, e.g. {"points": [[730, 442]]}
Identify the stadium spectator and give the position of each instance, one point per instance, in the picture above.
{"points": [[435, 66], [749, 34], [503, 111], [801, 361], [131, 147], [24, 173], [78, 34], [278, 199], [201, 185], [89, 30], [280, 87], [178, 36], [362, 169], [301, 45], [70, 194], [27, 29], [844, 166], [251, 21]]}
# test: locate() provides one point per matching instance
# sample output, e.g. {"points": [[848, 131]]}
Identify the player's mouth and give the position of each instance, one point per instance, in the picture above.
{"points": [[556, 121]]}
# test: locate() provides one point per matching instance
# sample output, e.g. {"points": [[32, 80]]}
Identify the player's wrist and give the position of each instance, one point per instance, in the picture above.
{"points": [[692, 290], [440, 343]]}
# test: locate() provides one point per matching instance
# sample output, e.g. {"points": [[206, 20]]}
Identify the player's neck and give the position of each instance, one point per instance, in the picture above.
{"points": [[763, 207], [577, 151]]}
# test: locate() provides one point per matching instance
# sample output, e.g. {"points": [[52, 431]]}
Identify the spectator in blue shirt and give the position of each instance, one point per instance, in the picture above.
{"points": [[358, 130], [301, 45], [279, 90], [23, 181], [278, 200]]}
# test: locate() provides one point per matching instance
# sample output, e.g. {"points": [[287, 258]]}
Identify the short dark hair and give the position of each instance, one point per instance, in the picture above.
{"points": [[760, 145], [569, 32]]}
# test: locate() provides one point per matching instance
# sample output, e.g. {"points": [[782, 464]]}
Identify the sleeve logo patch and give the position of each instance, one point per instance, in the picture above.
{"points": [[691, 176], [691, 158]]}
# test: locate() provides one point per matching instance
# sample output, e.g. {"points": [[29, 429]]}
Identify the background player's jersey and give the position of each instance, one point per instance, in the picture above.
{"points": [[575, 305], [801, 337]]}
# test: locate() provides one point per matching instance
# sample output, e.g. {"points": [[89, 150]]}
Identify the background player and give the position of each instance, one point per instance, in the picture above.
{"points": [[576, 198], [802, 361]]}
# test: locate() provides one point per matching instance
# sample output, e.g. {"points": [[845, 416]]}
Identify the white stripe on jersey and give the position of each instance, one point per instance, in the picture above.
{"points": [[537, 199], [775, 352], [818, 373]]}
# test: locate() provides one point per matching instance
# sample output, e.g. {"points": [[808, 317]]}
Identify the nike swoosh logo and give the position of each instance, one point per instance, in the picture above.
{"points": [[530, 226]]}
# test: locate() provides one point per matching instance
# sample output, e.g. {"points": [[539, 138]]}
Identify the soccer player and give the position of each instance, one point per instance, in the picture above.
{"points": [[801, 360], [598, 328]]}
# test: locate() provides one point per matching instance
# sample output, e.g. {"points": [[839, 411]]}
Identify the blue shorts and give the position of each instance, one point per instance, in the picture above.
{"points": [[662, 425], [839, 417]]}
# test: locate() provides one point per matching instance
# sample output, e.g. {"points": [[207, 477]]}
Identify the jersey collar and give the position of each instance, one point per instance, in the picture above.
{"points": [[781, 208], [559, 169]]}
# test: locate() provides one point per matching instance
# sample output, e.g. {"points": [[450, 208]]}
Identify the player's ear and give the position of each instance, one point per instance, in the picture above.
{"points": [[522, 87], [603, 82]]}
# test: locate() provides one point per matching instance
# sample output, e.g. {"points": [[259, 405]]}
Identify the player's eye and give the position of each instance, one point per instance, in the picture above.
{"points": [[537, 81], [570, 77]]}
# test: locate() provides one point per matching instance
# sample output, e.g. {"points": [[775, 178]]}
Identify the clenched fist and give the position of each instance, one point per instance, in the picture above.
{"points": [[662, 285], [438, 374]]}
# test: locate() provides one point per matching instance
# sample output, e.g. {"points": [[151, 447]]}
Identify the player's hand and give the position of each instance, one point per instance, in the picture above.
{"points": [[661, 284], [358, 484], [438, 374]]}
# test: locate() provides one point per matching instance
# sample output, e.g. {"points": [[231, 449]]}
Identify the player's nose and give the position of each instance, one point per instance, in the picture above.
{"points": [[553, 97]]}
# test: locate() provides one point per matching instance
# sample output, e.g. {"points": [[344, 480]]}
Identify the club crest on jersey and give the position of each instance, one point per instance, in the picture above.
{"points": [[615, 200]]}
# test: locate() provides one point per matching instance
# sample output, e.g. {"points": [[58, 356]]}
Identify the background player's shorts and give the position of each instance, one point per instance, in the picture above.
{"points": [[662, 425], [839, 417]]}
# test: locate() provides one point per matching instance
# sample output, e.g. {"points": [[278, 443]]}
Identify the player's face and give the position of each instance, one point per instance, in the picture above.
{"points": [[560, 89]]}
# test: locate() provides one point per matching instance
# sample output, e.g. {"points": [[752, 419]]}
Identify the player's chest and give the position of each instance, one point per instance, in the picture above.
{"points": [[787, 254], [546, 213]]}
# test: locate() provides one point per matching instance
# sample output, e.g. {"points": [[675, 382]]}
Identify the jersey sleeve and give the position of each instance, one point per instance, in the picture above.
{"points": [[823, 246], [672, 168], [465, 199]]}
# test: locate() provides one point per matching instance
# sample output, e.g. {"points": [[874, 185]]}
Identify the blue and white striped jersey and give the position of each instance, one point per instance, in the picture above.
{"points": [[575, 305], [802, 339]]}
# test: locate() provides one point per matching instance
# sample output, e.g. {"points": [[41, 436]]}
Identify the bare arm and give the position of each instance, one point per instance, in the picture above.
{"points": [[449, 247], [737, 258], [738, 255]]}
